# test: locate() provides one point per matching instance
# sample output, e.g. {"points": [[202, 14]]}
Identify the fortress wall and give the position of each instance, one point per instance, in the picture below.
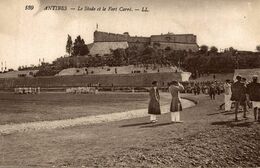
{"points": [[103, 48], [139, 46], [139, 39], [179, 46], [185, 38], [109, 37]]}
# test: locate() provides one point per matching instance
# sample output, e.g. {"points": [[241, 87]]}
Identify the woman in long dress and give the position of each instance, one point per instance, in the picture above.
{"points": [[174, 89], [154, 103]]}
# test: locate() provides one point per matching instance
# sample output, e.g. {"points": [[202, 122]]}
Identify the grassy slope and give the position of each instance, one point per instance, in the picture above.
{"points": [[207, 138]]}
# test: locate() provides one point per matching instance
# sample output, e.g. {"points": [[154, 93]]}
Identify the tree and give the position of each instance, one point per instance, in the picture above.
{"points": [[69, 45], [213, 49], [204, 49], [132, 55], [79, 47], [232, 50], [258, 48], [148, 56], [119, 57]]}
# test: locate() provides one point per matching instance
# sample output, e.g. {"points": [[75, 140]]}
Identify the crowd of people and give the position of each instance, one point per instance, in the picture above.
{"points": [[27, 90], [82, 90], [240, 93], [208, 87], [243, 93]]}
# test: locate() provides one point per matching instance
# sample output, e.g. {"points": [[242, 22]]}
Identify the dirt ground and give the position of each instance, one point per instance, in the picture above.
{"points": [[207, 138]]}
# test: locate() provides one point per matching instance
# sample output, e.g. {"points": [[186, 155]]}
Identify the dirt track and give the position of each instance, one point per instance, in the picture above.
{"points": [[207, 138], [44, 125]]}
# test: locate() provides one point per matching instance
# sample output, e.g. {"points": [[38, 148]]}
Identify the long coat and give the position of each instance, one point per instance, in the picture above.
{"points": [[154, 104], [175, 103], [238, 92], [253, 90]]}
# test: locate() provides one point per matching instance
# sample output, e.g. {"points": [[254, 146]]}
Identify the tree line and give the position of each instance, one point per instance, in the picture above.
{"points": [[206, 60]]}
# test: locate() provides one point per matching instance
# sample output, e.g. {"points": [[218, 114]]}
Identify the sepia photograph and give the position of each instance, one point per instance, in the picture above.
{"points": [[129, 83]]}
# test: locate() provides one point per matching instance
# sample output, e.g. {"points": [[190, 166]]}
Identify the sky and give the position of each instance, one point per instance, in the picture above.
{"points": [[29, 35]]}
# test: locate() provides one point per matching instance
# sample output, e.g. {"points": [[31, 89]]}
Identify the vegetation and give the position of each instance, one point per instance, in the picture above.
{"points": [[79, 47], [69, 45], [206, 60]]}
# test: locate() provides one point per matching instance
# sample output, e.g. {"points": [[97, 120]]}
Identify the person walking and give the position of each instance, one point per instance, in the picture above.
{"points": [[253, 90], [175, 108], [227, 95], [154, 103], [238, 95]]}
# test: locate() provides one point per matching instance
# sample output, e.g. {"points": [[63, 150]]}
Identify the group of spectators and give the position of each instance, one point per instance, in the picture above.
{"points": [[208, 87], [27, 90], [82, 90], [243, 93]]}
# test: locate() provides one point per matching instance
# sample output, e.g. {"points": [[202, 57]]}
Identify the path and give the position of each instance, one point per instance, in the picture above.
{"points": [[24, 127]]}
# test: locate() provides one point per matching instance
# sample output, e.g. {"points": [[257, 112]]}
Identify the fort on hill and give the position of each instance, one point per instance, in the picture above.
{"points": [[105, 42]]}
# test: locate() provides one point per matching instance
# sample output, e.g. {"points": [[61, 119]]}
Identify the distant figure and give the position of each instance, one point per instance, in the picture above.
{"points": [[20, 90], [174, 89], [238, 90], [38, 90], [198, 89], [194, 89], [253, 90], [212, 91], [154, 103], [217, 88], [227, 95]]}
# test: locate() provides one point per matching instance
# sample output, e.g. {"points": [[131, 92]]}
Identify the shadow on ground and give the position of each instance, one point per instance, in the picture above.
{"points": [[159, 125], [233, 123], [135, 124], [224, 113]]}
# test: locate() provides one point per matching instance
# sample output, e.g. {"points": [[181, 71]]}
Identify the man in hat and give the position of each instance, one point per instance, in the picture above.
{"points": [[238, 95], [174, 89], [253, 90]]}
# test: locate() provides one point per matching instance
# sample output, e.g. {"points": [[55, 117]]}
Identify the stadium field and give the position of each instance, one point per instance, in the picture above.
{"points": [[55, 106]]}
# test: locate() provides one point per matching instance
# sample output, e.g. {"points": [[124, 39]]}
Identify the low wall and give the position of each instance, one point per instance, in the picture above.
{"points": [[131, 80]]}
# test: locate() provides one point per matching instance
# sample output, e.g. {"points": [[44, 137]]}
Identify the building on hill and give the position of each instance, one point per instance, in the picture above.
{"points": [[105, 42], [175, 41]]}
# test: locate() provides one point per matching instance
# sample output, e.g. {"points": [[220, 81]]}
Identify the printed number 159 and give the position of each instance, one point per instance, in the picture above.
{"points": [[29, 7]]}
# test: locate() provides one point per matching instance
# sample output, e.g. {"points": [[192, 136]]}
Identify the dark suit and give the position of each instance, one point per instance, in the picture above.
{"points": [[253, 90], [238, 90]]}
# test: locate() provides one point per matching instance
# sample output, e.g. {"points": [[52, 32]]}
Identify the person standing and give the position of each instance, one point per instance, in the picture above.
{"points": [[253, 90], [227, 95], [212, 91], [243, 80], [154, 103], [238, 95], [174, 89]]}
